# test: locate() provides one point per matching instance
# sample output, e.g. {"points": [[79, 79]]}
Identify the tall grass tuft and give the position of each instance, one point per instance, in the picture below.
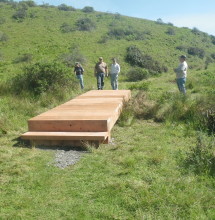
{"points": [[201, 158]]}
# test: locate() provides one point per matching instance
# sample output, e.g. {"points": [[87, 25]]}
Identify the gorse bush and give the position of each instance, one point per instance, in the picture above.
{"points": [[42, 77], [85, 24], [170, 31], [73, 56], [64, 7], [66, 28], [3, 37], [2, 20], [137, 74], [195, 51], [20, 14], [136, 58], [128, 33], [27, 57], [88, 9]]}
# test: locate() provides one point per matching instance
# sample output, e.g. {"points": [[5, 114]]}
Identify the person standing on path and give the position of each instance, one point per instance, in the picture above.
{"points": [[78, 70], [114, 73], [181, 74], [101, 70]]}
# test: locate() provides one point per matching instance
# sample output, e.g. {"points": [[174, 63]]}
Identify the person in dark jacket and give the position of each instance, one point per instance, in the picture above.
{"points": [[79, 71]]}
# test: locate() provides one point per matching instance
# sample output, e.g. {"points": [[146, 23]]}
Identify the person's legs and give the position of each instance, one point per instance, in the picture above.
{"points": [[112, 78], [99, 80], [102, 80], [181, 85], [80, 77], [114, 81]]}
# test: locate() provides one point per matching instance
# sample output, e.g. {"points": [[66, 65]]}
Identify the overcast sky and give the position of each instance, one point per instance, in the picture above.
{"points": [[191, 13]]}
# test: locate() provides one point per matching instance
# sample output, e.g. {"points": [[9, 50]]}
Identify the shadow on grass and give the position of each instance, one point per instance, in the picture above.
{"points": [[20, 143]]}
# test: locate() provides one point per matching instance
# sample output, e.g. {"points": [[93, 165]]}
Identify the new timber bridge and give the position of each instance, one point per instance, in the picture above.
{"points": [[86, 118]]}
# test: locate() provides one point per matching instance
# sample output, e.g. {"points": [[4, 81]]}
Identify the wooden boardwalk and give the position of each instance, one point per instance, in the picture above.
{"points": [[86, 118]]}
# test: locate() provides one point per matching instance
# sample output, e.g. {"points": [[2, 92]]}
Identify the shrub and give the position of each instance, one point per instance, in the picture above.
{"points": [[128, 33], [160, 21], [30, 3], [66, 28], [212, 39], [88, 9], [85, 24], [137, 74], [42, 77], [64, 7], [196, 31], [201, 158], [73, 56], [2, 20], [182, 48], [27, 57], [136, 58], [195, 51], [3, 37], [213, 55], [20, 14], [170, 31]]}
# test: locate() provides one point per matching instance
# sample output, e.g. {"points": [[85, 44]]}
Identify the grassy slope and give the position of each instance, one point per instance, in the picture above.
{"points": [[138, 177]]}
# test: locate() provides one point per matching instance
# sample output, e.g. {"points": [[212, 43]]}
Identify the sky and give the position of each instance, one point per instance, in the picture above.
{"points": [[191, 13]]}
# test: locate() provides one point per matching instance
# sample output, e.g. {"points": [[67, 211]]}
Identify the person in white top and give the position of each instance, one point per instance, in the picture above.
{"points": [[114, 73], [181, 74]]}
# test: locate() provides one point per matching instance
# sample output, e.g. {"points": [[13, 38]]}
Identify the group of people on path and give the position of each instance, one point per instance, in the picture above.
{"points": [[101, 71]]}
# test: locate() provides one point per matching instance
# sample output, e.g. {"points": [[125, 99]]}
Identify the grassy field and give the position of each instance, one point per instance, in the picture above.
{"points": [[161, 161]]}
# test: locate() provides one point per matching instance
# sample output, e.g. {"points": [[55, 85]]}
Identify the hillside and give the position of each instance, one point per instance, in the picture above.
{"points": [[46, 33], [160, 163]]}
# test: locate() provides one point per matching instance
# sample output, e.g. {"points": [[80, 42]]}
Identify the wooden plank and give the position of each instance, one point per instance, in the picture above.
{"points": [[68, 125], [100, 136]]}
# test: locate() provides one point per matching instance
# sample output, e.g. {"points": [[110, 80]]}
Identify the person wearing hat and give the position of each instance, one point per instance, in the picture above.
{"points": [[114, 73], [181, 74], [79, 71], [100, 71]]}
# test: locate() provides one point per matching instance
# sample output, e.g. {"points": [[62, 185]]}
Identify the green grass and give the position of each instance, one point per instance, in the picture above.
{"points": [[137, 177]]}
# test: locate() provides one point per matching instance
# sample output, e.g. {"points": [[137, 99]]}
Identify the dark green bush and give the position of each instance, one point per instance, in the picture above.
{"points": [[182, 48], [42, 77], [170, 31], [195, 51], [66, 28], [137, 74], [64, 7], [88, 9], [128, 33], [213, 55], [30, 3], [2, 20], [212, 39], [27, 57], [136, 58], [85, 24], [20, 14], [73, 56], [3, 37], [196, 31]]}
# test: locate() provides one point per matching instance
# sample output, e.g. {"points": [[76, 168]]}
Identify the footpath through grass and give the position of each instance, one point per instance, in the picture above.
{"points": [[139, 176]]}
